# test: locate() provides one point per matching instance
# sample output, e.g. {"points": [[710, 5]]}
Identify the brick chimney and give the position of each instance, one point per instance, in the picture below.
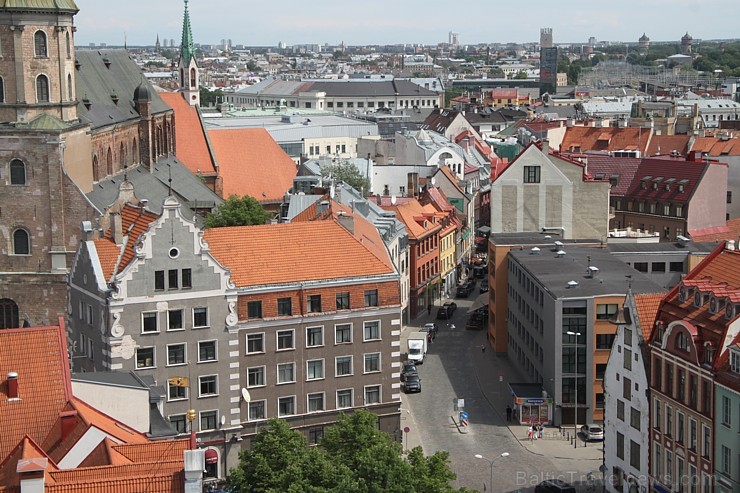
{"points": [[347, 221], [13, 386], [116, 226], [545, 147]]}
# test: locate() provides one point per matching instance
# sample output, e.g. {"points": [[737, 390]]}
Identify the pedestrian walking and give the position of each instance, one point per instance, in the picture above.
{"points": [[529, 433], [540, 430], [508, 413], [429, 309], [483, 348]]}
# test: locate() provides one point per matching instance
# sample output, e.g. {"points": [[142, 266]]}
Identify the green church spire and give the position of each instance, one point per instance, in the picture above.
{"points": [[187, 49]]}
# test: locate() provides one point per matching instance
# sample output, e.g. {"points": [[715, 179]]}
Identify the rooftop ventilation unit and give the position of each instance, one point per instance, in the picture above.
{"points": [[572, 284], [592, 271], [560, 253], [534, 251], [682, 240], [559, 244]]}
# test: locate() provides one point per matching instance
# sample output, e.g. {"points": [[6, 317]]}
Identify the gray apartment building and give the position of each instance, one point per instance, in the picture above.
{"points": [[560, 299]]}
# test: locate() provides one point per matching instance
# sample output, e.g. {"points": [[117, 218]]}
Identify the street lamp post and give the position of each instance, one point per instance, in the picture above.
{"points": [[575, 407], [491, 461]]}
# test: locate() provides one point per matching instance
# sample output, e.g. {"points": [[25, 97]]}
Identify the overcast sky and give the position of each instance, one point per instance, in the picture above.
{"points": [[266, 23]]}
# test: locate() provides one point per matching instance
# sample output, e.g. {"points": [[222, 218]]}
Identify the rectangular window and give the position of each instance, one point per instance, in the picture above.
{"points": [[372, 394], [668, 420], [371, 297], [620, 445], [605, 311], [187, 278], [208, 420], [286, 373], [726, 460], [627, 337], [692, 434], [657, 461], [285, 307], [314, 336], [343, 333], [286, 406], [208, 385], [149, 322], [344, 366], [315, 435], [668, 465], [200, 317], [206, 351], [159, 280], [600, 371], [257, 410], [175, 354], [726, 411], [173, 277], [626, 389], [372, 330], [174, 320], [315, 402], [144, 357], [285, 340], [372, 362], [627, 356], [342, 301], [176, 393], [635, 455], [640, 266], [635, 418], [344, 398], [315, 369], [675, 266], [256, 376], [254, 309], [657, 266], [255, 343], [604, 341], [314, 303], [620, 410], [531, 174], [179, 422]]}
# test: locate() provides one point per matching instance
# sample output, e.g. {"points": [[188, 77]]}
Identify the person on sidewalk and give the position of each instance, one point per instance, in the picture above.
{"points": [[508, 414], [483, 348], [429, 309], [530, 432], [540, 430]]}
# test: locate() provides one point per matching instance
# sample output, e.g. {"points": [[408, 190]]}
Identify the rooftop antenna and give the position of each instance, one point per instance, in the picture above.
{"points": [[169, 181]]}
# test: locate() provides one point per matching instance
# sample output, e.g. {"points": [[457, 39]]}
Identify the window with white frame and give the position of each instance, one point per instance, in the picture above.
{"points": [[149, 322], [726, 411], [372, 362], [372, 394], [285, 340], [372, 330], [207, 351], [255, 343], [208, 385], [176, 392], [200, 317], [344, 398], [315, 369], [257, 410], [314, 336], [208, 420], [179, 422], [343, 334], [315, 402], [344, 366], [256, 376], [176, 354], [735, 361], [174, 320], [286, 373], [286, 406], [144, 357]]}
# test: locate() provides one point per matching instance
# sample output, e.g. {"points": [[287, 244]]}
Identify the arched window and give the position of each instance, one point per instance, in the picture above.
{"points": [[109, 163], [21, 242], [192, 78], [70, 96], [96, 169], [17, 172], [2, 90], [135, 153], [69, 46], [123, 155], [39, 43], [8, 314], [42, 89]]}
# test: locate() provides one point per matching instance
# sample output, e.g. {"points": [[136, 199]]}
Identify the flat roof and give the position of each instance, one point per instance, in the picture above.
{"points": [[535, 238], [665, 247], [555, 272], [527, 390]]}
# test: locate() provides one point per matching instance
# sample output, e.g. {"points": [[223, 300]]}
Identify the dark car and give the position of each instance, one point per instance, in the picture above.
{"points": [[480, 271], [451, 307], [554, 486], [464, 290], [443, 313], [412, 383], [409, 369]]}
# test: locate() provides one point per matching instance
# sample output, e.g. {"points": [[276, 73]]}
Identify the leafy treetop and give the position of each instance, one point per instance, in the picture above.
{"points": [[237, 211]]}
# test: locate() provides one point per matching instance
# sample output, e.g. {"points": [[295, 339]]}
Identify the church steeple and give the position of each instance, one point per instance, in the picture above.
{"points": [[157, 45], [189, 73]]}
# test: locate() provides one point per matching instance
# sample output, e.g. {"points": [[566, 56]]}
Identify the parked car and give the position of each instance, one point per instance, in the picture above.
{"points": [[484, 286], [443, 313], [431, 327], [554, 486], [480, 271], [592, 432], [464, 290], [408, 370], [412, 383]]}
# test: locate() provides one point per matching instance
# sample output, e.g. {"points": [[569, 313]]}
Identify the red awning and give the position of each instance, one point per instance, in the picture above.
{"points": [[211, 456]]}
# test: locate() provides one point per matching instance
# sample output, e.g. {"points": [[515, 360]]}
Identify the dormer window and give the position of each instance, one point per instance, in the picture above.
{"points": [[699, 298], [715, 304], [735, 361], [708, 353], [729, 310], [682, 341], [683, 293]]}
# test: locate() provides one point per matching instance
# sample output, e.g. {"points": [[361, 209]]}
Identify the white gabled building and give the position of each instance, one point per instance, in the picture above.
{"points": [[627, 417]]}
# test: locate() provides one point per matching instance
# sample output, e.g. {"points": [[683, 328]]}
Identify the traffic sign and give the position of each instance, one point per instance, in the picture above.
{"points": [[406, 429], [464, 415]]}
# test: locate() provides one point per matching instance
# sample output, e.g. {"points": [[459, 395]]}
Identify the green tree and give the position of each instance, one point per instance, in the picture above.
{"points": [[348, 173], [521, 75], [237, 211], [210, 98]]}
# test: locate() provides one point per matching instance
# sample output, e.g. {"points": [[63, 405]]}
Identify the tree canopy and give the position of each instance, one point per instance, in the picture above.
{"points": [[353, 457], [346, 172], [237, 211]]}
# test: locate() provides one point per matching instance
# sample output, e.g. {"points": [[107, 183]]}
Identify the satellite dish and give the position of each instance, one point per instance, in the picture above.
{"points": [[245, 395], [223, 419], [393, 200]]}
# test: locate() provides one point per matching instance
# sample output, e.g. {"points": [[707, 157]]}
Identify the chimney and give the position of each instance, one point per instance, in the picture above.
{"points": [[545, 147], [68, 422], [116, 227], [195, 463], [13, 385], [32, 474], [322, 207], [347, 221], [730, 246]]}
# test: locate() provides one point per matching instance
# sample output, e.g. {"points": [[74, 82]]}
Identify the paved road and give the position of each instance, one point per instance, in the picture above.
{"points": [[456, 367]]}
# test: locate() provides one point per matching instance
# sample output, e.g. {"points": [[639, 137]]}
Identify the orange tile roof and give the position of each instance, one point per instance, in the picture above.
{"points": [[104, 454], [414, 216], [266, 254], [717, 147], [108, 254], [605, 139], [647, 308], [252, 163], [152, 451], [26, 449], [135, 221], [661, 145], [154, 483], [190, 137], [730, 232]]}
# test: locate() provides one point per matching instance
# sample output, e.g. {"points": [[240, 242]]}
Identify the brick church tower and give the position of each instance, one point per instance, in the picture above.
{"points": [[189, 72]]}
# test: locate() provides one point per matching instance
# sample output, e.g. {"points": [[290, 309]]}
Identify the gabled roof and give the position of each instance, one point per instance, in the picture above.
{"points": [[623, 170], [420, 220], [647, 308], [190, 135], [439, 120], [605, 139], [716, 146], [685, 174], [252, 163], [266, 254], [662, 145]]}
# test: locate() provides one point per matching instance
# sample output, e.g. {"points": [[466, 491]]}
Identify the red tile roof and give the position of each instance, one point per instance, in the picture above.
{"points": [[688, 172], [420, 220], [252, 163], [661, 145], [581, 139], [135, 221], [601, 164], [714, 146], [190, 136], [647, 308], [731, 231], [266, 254]]}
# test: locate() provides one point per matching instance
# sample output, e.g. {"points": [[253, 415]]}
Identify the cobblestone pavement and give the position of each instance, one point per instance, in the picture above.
{"points": [[457, 367]]}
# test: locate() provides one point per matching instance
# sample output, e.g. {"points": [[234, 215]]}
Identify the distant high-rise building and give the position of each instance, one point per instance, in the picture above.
{"points": [[546, 37], [454, 38], [686, 41], [592, 41], [172, 43]]}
